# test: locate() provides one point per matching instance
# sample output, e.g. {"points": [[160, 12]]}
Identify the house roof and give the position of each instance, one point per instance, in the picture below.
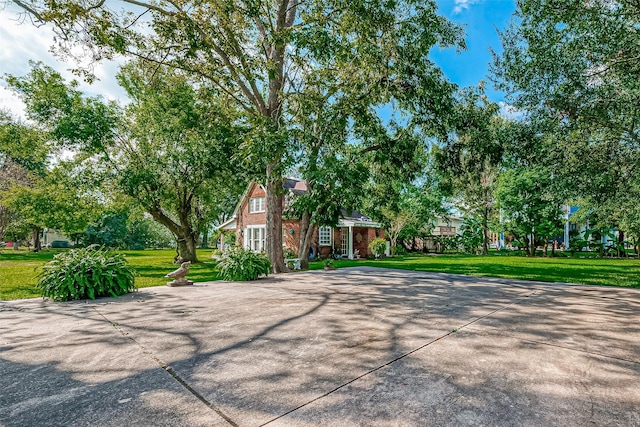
{"points": [[354, 215], [295, 185], [228, 225]]}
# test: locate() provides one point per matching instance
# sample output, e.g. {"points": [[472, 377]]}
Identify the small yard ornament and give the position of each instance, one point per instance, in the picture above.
{"points": [[180, 275]]}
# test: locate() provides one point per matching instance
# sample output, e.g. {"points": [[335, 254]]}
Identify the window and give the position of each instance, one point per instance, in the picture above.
{"points": [[256, 204], [254, 238], [325, 236]]}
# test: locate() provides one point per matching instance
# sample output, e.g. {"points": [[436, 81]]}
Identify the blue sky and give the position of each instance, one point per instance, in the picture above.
{"points": [[479, 19]]}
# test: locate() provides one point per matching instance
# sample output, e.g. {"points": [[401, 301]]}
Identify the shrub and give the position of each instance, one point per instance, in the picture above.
{"points": [[238, 264], [378, 246], [400, 250], [90, 272], [216, 253], [289, 253]]}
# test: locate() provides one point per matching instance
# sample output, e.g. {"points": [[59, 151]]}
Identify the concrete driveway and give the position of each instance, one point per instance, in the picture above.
{"points": [[351, 347]]}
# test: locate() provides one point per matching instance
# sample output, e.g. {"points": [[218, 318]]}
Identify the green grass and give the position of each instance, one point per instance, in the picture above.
{"points": [[18, 274], [18, 270], [590, 271]]}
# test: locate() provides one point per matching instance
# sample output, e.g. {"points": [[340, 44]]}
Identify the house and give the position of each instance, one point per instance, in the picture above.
{"points": [[447, 226], [351, 236]]}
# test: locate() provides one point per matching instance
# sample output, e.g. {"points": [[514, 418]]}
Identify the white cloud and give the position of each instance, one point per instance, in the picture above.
{"points": [[461, 5], [21, 42]]}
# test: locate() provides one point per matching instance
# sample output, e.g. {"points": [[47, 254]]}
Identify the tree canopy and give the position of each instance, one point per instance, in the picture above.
{"points": [[264, 58]]}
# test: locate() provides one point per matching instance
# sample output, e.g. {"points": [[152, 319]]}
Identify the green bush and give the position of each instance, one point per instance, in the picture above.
{"points": [[289, 253], [90, 272], [238, 264], [400, 250], [378, 246]]}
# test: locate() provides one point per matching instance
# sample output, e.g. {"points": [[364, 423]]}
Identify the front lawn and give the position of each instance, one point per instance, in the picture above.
{"points": [[18, 274], [590, 271], [18, 270]]}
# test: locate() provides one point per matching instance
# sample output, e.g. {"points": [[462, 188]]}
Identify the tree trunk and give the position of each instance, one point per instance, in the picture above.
{"points": [[546, 247], [35, 233], [553, 247], [185, 235], [393, 241], [187, 248], [274, 218], [533, 245], [306, 231], [485, 231]]}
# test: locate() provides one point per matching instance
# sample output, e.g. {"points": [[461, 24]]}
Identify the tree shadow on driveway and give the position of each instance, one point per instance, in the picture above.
{"points": [[327, 348]]}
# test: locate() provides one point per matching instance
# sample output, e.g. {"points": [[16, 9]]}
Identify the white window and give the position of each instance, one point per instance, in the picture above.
{"points": [[325, 236], [254, 238], [256, 204]]}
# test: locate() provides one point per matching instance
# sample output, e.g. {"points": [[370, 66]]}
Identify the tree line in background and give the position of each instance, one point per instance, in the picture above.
{"points": [[341, 94]]}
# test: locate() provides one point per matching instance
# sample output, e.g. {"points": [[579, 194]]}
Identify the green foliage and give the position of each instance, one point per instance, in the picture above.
{"points": [[573, 65], [86, 273], [471, 156], [472, 234], [378, 246], [239, 264], [323, 68], [288, 253], [446, 243], [400, 250], [125, 231], [216, 252], [180, 168], [528, 206]]}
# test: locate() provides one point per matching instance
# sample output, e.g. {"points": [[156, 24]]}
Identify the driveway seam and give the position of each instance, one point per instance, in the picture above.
{"points": [[400, 357], [169, 370]]}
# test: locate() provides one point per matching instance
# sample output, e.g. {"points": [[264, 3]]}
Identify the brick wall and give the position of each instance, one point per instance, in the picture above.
{"points": [[245, 218]]}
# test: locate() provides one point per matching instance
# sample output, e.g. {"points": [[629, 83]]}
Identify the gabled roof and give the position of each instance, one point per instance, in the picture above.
{"points": [[294, 185], [244, 197]]}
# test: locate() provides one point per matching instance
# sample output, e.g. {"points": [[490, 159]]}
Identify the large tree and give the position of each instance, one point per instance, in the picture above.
{"points": [[529, 210], [574, 64], [258, 52], [470, 156], [167, 150], [23, 163]]}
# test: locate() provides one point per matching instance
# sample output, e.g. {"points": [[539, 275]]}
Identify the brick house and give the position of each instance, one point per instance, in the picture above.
{"points": [[353, 232]]}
